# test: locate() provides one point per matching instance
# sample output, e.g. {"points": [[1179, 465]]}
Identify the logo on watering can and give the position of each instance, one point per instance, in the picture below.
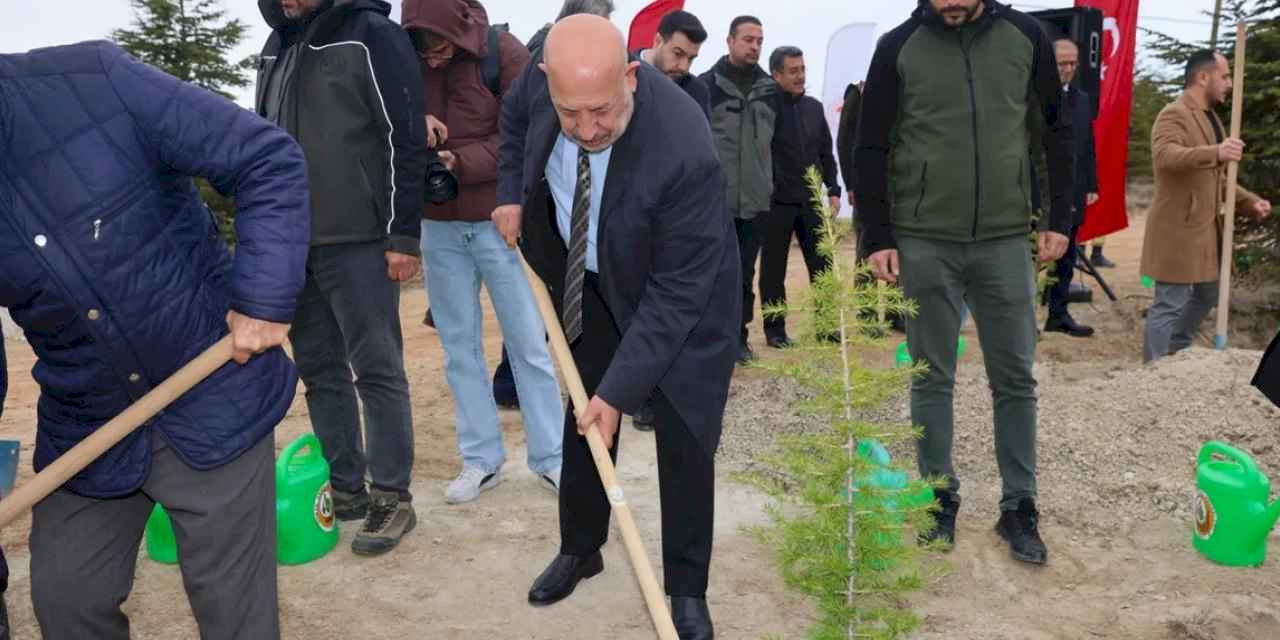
{"points": [[324, 508], [1206, 517]]}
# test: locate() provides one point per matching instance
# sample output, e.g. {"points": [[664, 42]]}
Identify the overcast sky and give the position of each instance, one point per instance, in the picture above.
{"points": [[26, 24]]}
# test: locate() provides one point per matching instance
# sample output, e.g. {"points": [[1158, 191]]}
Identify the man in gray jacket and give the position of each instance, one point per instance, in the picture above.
{"points": [[744, 110]]}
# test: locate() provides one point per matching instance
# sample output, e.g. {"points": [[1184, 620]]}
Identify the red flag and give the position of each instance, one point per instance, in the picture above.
{"points": [[1111, 129], [645, 24]]}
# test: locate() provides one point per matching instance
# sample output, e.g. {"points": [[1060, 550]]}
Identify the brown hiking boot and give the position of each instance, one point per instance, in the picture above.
{"points": [[389, 519]]}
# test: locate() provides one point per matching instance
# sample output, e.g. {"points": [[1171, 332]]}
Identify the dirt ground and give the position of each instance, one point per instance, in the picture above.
{"points": [[1117, 445]]}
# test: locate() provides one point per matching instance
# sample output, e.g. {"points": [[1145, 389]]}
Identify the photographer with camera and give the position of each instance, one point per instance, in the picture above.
{"points": [[341, 78], [467, 65]]}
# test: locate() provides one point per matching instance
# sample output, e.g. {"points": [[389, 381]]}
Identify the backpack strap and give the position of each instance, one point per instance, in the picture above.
{"points": [[491, 64]]}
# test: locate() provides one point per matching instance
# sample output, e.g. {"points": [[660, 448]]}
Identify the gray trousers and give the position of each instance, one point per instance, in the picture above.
{"points": [[84, 551], [1175, 317], [995, 279], [348, 322]]}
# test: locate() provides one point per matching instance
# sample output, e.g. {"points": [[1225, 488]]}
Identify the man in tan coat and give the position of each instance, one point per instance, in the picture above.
{"points": [[1190, 151]]}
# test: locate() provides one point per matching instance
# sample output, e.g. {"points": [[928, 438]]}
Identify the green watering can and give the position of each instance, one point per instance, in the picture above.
{"points": [[161, 545], [903, 357], [1233, 518], [305, 523], [306, 528]]}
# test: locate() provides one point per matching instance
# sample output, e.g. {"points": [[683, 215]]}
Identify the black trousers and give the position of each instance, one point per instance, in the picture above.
{"points": [[1063, 271], [776, 229], [749, 250], [686, 472]]}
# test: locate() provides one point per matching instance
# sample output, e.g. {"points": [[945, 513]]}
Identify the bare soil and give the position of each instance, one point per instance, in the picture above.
{"points": [[1117, 447]]}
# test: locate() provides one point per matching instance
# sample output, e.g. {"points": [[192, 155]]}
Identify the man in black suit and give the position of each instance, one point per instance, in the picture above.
{"points": [[1080, 107], [609, 178]]}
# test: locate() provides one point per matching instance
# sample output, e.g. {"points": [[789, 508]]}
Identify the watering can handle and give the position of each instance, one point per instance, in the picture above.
{"points": [[305, 441], [1233, 454]]}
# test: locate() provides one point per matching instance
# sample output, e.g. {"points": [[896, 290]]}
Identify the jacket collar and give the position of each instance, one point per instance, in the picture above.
{"points": [[1193, 101]]}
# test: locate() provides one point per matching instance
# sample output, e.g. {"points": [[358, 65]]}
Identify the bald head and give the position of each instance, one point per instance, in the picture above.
{"points": [[590, 79]]}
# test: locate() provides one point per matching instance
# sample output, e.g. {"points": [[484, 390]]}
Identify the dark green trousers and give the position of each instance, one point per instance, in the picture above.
{"points": [[996, 279]]}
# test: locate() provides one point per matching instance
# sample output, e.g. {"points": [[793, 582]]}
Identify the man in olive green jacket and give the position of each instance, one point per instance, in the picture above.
{"points": [[744, 111], [953, 100]]}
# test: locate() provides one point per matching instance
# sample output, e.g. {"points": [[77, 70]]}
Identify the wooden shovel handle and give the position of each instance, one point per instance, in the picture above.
{"points": [[653, 596], [91, 448]]}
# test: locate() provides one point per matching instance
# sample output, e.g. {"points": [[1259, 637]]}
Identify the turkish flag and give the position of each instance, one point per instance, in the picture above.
{"points": [[645, 24], [1111, 128]]}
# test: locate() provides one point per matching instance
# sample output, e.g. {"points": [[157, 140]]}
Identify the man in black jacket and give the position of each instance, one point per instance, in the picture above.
{"points": [[643, 269], [344, 81], [802, 140], [953, 98], [675, 46], [1076, 103]]}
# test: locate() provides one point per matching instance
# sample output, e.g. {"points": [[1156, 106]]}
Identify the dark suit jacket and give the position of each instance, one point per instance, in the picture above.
{"points": [[1084, 154], [668, 254]]}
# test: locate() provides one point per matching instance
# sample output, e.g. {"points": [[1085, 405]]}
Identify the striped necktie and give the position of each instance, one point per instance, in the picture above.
{"points": [[577, 266]]}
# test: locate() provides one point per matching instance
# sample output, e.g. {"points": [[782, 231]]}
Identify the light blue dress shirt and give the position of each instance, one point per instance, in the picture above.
{"points": [[562, 177]]}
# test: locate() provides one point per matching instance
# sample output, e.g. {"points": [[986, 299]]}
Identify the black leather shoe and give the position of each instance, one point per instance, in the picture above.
{"points": [[779, 341], [745, 354], [1100, 261], [944, 521], [692, 618], [1066, 324], [562, 577], [1021, 529], [643, 419]]}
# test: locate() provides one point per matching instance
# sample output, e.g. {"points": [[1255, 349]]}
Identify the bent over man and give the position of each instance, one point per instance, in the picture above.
{"points": [[117, 274], [643, 269]]}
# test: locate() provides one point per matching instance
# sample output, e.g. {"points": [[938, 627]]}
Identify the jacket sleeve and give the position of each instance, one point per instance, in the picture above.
{"points": [[830, 174], [1170, 150], [478, 161], [399, 104], [1090, 144], [688, 244], [876, 120], [1059, 154], [202, 134], [513, 125]]}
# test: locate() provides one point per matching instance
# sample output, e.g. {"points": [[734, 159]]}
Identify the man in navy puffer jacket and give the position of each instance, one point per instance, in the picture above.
{"points": [[116, 273]]}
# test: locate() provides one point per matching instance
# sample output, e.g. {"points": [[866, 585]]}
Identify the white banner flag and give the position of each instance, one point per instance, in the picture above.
{"points": [[848, 59]]}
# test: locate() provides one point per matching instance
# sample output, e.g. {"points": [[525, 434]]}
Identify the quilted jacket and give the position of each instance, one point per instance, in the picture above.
{"points": [[114, 268]]}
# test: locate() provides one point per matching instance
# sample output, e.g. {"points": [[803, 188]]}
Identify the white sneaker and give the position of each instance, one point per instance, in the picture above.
{"points": [[550, 480], [468, 485]]}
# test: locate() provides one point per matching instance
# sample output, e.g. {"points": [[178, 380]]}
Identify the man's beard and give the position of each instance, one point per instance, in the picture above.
{"points": [[968, 14]]}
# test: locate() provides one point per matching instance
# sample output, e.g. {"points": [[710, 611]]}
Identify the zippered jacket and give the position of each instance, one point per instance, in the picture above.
{"points": [[114, 268], [947, 122], [348, 89], [742, 127]]}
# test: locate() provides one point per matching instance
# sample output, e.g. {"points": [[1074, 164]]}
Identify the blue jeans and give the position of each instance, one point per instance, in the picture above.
{"points": [[458, 257]]}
